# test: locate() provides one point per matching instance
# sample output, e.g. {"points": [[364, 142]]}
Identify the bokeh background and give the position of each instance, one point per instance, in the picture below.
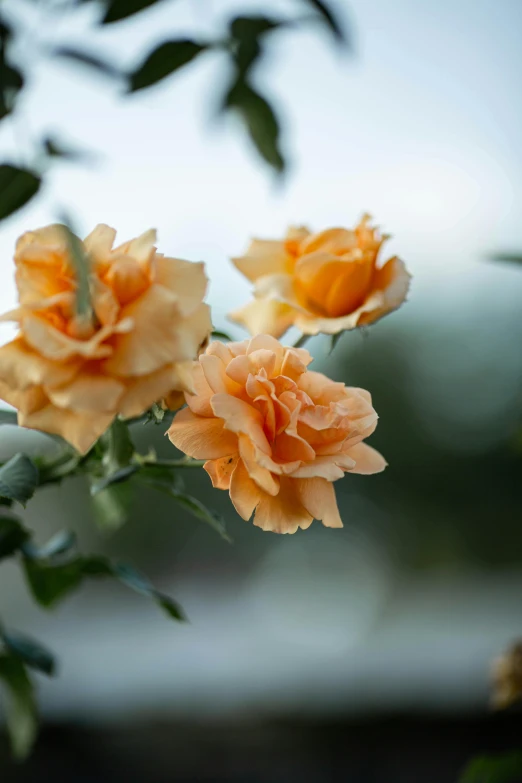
{"points": [[363, 654]]}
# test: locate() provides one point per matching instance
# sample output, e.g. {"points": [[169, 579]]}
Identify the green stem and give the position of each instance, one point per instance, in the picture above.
{"points": [[172, 463]]}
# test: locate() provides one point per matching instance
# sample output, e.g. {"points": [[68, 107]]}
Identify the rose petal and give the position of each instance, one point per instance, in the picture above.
{"points": [[200, 437], [82, 430], [186, 279], [367, 459], [265, 316], [92, 393], [283, 513], [220, 471], [317, 495], [244, 493]]}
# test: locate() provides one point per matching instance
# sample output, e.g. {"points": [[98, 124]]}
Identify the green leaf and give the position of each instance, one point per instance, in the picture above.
{"points": [[114, 478], [11, 81], [12, 535], [247, 32], [330, 19], [8, 417], [117, 446], [194, 506], [59, 544], [18, 479], [163, 61], [22, 722], [50, 582], [121, 9], [30, 652], [111, 507], [501, 768], [260, 121], [17, 187], [508, 258], [218, 335], [140, 584], [80, 57], [334, 340], [54, 148]]}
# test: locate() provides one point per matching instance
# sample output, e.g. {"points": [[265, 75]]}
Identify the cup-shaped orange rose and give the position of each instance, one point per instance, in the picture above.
{"points": [[71, 374], [325, 282], [275, 434]]}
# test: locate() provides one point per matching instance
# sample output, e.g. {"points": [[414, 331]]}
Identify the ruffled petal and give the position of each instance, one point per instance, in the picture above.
{"points": [[220, 471], [283, 513], [185, 279], [367, 459], [265, 316], [244, 492], [317, 495], [81, 429], [200, 437]]}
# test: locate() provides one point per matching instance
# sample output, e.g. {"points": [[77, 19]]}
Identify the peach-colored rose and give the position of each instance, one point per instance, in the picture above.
{"points": [[325, 282], [71, 375], [274, 434]]}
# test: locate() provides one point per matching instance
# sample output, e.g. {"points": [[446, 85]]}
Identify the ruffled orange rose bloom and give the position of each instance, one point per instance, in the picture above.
{"points": [[274, 434], [325, 282], [70, 374]]}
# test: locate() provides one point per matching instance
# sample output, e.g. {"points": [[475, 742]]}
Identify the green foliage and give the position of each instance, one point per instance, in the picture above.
{"points": [[12, 535], [32, 653], [11, 78], [81, 265], [22, 722], [330, 19], [92, 61], [17, 187], [116, 10], [508, 258], [260, 121], [501, 768], [111, 505], [218, 335], [163, 61], [18, 479]]}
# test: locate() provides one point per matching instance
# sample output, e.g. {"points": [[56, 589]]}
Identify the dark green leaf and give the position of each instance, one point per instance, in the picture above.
{"points": [[56, 149], [12, 535], [193, 505], [8, 417], [252, 26], [111, 507], [508, 258], [86, 58], [114, 478], [59, 544], [21, 715], [163, 61], [334, 340], [260, 121], [136, 581], [218, 335], [246, 32], [32, 653], [502, 768], [121, 9], [330, 19], [50, 583], [18, 479], [11, 82], [17, 187]]}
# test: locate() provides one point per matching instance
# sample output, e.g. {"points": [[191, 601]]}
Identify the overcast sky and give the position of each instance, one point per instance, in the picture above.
{"points": [[420, 125]]}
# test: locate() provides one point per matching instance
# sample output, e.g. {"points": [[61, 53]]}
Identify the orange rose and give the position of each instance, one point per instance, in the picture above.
{"points": [[325, 282], [274, 434], [70, 374]]}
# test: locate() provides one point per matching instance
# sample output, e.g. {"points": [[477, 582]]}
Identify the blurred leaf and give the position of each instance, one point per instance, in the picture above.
{"points": [[113, 478], [330, 19], [121, 9], [140, 584], [503, 768], [11, 78], [21, 715], [334, 340], [218, 335], [56, 149], [86, 58], [193, 505], [117, 446], [30, 652], [8, 417], [508, 258], [260, 121], [81, 264], [163, 61], [59, 544], [17, 187], [246, 32], [111, 507], [51, 582], [12, 536], [18, 479]]}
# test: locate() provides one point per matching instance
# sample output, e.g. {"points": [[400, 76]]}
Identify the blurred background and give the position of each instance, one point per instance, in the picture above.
{"points": [[363, 654]]}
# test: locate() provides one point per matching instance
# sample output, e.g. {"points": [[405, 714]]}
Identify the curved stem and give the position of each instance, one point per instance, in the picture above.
{"points": [[187, 462]]}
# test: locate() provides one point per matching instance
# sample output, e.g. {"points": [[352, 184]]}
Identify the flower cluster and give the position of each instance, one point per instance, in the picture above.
{"points": [[271, 432]]}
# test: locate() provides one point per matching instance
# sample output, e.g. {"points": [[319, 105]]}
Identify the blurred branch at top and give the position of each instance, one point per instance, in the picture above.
{"points": [[243, 43]]}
